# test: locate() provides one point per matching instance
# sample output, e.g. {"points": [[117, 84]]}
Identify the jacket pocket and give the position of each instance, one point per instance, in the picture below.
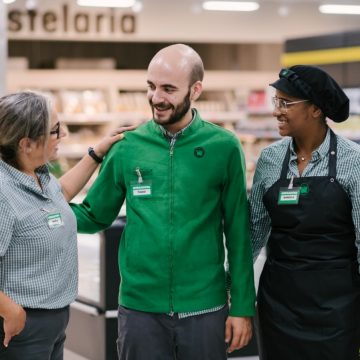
{"points": [[145, 185]]}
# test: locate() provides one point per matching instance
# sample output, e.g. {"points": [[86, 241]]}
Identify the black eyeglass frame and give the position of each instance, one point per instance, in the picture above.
{"points": [[57, 130]]}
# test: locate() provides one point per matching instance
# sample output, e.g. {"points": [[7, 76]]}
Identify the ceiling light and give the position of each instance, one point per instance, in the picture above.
{"points": [[137, 7], [8, 1], [340, 9], [230, 5], [107, 3]]}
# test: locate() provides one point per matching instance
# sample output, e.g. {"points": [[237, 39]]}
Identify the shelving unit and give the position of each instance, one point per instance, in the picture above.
{"points": [[227, 100]]}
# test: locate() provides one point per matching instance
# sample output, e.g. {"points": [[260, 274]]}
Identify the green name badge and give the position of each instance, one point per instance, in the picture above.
{"points": [[289, 196]]}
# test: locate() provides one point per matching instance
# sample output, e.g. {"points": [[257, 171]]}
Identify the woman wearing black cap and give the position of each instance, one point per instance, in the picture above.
{"points": [[305, 206]]}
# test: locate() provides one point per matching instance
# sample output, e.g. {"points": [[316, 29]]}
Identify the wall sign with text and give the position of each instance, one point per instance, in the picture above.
{"points": [[70, 22]]}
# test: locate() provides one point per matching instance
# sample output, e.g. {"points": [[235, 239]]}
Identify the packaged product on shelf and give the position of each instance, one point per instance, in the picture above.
{"points": [[71, 102], [132, 102], [94, 102], [87, 102]]}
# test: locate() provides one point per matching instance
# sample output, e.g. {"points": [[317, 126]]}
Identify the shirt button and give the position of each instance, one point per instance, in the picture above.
{"points": [[48, 200]]}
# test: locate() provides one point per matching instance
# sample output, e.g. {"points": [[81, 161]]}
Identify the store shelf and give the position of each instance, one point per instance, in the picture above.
{"points": [[91, 102], [86, 119], [223, 116], [260, 113], [260, 134], [102, 119], [74, 151]]}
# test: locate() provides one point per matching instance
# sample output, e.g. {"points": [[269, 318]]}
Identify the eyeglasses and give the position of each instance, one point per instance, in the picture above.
{"points": [[283, 105], [56, 131]]}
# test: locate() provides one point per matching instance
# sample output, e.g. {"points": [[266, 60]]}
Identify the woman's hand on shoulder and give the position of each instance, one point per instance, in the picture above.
{"points": [[115, 135]]}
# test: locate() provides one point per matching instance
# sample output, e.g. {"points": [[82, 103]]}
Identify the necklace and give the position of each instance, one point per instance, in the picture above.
{"points": [[302, 158]]}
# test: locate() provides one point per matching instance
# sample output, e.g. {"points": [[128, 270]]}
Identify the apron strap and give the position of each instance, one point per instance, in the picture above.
{"points": [[285, 165], [332, 155], [332, 158]]}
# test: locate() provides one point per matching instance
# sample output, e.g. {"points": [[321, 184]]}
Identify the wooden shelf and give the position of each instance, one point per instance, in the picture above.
{"points": [[86, 119], [226, 91], [73, 151], [119, 118], [130, 80]]}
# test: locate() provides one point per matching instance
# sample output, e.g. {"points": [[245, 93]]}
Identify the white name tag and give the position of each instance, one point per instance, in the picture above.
{"points": [[142, 190], [289, 196], [54, 220]]}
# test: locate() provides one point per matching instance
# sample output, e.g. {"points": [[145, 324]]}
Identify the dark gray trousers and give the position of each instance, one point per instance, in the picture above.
{"points": [[150, 336], [42, 338]]}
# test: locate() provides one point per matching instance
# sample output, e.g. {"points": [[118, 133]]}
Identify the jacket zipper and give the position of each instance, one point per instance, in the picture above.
{"points": [[172, 145]]}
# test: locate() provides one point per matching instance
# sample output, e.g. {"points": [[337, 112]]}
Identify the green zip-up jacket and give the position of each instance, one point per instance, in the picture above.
{"points": [[180, 201]]}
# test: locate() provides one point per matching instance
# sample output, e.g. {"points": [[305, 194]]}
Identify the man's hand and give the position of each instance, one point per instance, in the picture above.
{"points": [[238, 332], [14, 321]]}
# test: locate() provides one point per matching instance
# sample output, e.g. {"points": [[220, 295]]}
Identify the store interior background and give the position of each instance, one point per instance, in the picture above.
{"points": [[97, 78]]}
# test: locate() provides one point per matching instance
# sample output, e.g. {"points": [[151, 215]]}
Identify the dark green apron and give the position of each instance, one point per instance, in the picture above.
{"points": [[309, 292]]}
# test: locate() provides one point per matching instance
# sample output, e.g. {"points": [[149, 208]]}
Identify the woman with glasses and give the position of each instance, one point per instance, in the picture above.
{"points": [[305, 206], [38, 250]]}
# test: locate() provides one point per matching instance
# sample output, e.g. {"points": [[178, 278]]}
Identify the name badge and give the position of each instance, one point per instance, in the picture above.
{"points": [[54, 220], [289, 196], [143, 189]]}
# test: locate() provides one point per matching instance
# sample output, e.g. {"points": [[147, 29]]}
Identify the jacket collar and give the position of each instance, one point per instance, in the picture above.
{"points": [[194, 124]]}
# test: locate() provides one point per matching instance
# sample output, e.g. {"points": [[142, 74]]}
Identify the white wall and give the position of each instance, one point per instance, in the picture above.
{"points": [[182, 20]]}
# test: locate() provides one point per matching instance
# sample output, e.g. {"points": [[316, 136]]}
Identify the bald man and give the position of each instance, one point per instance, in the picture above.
{"points": [[183, 180]]}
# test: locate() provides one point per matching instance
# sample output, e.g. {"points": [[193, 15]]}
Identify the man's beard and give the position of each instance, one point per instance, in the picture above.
{"points": [[178, 112]]}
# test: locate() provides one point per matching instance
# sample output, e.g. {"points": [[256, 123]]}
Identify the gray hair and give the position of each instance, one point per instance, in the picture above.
{"points": [[25, 114]]}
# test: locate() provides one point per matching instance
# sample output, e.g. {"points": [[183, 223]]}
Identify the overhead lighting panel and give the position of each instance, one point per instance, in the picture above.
{"points": [[340, 9], [107, 3], [230, 5]]}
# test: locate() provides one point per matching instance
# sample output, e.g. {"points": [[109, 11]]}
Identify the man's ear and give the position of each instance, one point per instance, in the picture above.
{"points": [[25, 145], [196, 90]]}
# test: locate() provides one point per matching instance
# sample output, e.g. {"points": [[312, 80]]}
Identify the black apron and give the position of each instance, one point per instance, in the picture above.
{"points": [[309, 291]]}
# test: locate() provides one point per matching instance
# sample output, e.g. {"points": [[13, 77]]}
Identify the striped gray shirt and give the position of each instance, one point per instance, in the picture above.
{"points": [[38, 247], [268, 171]]}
